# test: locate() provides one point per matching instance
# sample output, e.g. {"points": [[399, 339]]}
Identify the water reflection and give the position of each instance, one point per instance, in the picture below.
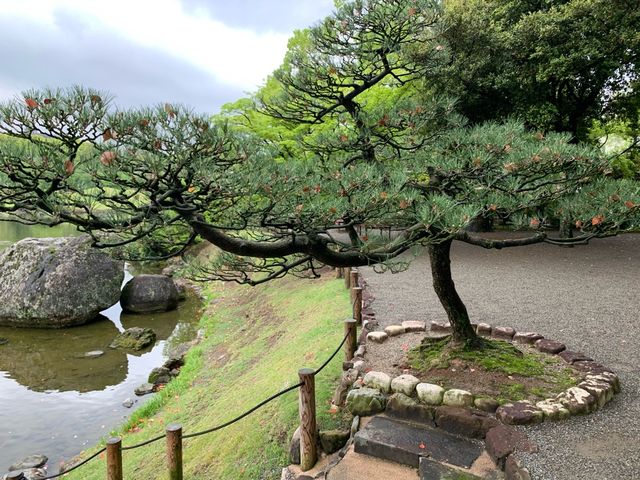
{"points": [[56, 401]]}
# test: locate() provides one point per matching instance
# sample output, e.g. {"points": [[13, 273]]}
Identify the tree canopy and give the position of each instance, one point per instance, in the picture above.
{"points": [[353, 137], [556, 64]]}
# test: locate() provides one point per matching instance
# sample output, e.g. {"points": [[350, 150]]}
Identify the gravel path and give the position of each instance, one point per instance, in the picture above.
{"points": [[587, 297]]}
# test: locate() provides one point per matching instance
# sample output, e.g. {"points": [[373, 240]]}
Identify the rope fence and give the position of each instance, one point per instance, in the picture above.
{"points": [[174, 436]]}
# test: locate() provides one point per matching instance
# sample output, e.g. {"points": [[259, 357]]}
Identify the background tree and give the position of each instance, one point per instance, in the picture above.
{"points": [[556, 64], [369, 148]]}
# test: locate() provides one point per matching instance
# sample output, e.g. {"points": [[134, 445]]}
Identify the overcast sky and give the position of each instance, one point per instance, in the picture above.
{"points": [[202, 53]]}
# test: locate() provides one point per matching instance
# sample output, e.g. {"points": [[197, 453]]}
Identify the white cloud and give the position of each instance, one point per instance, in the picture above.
{"points": [[236, 57]]}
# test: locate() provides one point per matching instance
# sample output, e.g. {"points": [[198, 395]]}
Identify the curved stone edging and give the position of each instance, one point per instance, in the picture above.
{"points": [[596, 389]]}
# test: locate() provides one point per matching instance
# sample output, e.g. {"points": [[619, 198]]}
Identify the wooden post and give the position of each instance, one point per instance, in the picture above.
{"points": [[347, 279], [351, 332], [354, 278], [339, 272], [357, 304], [307, 409], [174, 451], [114, 458]]}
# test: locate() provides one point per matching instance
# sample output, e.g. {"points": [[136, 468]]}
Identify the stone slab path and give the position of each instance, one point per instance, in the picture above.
{"points": [[406, 443], [587, 297]]}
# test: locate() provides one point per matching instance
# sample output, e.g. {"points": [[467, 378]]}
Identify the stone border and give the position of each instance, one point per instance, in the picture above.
{"points": [[367, 393], [597, 388]]}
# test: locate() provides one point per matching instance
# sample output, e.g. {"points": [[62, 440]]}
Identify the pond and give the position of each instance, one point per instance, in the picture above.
{"points": [[57, 402]]}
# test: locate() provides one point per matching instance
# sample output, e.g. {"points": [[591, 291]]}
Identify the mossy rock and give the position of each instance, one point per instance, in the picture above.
{"points": [[135, 338]]}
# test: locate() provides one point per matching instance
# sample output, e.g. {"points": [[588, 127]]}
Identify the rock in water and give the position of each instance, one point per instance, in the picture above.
{"points": [[32, 461], [149, 293], [135, 338], [56, 282]]}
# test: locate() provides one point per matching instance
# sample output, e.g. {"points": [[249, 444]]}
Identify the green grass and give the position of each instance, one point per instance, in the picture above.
{"points": [[256, 341]]}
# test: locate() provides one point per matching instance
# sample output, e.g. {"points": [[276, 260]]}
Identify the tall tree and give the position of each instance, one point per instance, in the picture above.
{"points": [[369, 149], [557, 64]]}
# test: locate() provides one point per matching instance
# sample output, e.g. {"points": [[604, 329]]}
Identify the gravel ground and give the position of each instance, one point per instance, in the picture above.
{"points": [[587, 297]]}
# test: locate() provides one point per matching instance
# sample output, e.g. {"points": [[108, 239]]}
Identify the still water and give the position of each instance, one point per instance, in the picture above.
{"points": [[57, 402]]}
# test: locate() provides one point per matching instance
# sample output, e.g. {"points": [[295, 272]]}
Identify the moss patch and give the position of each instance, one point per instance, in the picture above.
{"points": [[500, 370]]}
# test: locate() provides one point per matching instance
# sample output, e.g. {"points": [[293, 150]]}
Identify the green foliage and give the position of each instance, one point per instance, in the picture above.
{"points": [[345, 132], [556, 64]]}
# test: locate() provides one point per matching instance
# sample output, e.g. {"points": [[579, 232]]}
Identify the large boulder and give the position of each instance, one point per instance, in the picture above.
{"points": [[149, 293], [56, 282]]}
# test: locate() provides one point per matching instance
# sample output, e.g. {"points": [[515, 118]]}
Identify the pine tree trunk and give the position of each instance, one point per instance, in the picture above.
{"points": [[462, 331]]}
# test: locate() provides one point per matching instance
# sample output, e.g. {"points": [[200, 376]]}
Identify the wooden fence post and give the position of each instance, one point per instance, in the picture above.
{"points": [[357, 304], [114, 458], [307, 410], [174, 451], [339, 272], [354, 278], [351, 332], [347, 278]]}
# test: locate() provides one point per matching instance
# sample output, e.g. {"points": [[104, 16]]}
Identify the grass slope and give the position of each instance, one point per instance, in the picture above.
{"points": [[255, 341]]}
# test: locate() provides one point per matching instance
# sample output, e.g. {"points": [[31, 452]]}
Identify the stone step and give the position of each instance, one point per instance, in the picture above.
{"points": [[432, 470], [405, 443]]}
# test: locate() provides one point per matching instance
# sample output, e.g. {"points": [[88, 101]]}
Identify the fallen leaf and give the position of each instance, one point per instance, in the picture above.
{"points": [[597, 220], [629, 204]]}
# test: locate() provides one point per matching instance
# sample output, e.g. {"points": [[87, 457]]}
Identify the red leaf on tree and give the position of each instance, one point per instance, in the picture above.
{"points": [[384, 120], [47, 101], [157, 144], [629, 204], [384, 195], [306, 189], [107, 158], [108, 135], [343, 138], [579, 224], [169, 109], [597, 220], [534, 222], [31, 103], [404, 204], [95, 99], [69, 167], [143, 123]]}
